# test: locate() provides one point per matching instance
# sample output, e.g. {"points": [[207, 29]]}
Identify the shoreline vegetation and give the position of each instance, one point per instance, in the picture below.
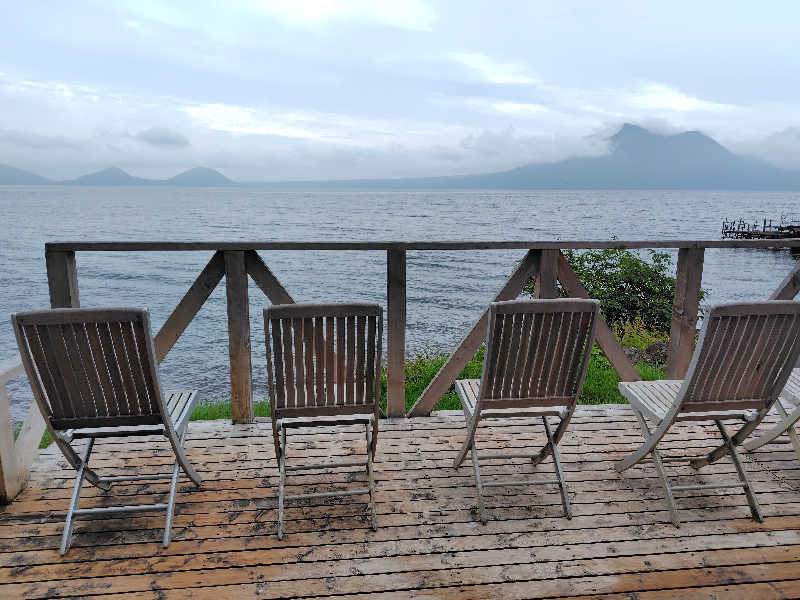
{"points": [[636, 301]]}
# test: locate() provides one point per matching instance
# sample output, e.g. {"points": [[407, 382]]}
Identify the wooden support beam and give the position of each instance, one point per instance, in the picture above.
{"points": [[789, 287], [16, 456], [685, 307], [239, 337], [396, 333], [62, 278], [189, 305], [470, 344], [546, 285], [603, 334], [265, 279]]}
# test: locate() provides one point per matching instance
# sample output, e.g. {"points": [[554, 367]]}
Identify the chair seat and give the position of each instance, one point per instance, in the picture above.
{"points": [[326, 421], [655, 398], [179, 405], [468, 390], [790, 396]]}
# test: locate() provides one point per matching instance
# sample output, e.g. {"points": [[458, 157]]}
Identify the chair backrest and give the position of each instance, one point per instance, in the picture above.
{"points": [[323, 359], [91, 367], [537, 352], [743, 358]]}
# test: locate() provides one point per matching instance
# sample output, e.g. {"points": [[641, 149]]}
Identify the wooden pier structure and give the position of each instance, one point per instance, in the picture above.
{"points": [[739, 229], [428, 544]]}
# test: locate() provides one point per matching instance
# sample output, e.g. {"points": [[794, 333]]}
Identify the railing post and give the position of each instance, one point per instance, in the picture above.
{"points": [[239, 337], [62, 278], [396, 333], [546, 285], [685, 307]]}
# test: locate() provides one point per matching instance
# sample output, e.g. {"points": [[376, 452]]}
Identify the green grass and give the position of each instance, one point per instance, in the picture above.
{"points": [[46, 440], [422, 368], [600, 386], [209, 411]]}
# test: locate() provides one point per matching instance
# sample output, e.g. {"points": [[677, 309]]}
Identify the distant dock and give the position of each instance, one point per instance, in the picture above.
{"points": [[787, 227]]}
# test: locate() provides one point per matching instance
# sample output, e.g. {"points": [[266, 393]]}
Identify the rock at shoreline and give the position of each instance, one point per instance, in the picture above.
{"points": [[634, 354], [657, 354]]}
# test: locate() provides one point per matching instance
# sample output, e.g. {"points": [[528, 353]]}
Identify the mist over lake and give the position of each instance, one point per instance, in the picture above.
{"points": [[446, 290]]}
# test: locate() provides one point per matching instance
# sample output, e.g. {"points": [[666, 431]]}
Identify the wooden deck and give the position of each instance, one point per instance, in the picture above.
{"points": [[428, 545]]}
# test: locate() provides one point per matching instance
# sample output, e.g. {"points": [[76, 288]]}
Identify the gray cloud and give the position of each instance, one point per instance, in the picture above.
{"points": [[161, 136], [416, 87], [35, 141]]}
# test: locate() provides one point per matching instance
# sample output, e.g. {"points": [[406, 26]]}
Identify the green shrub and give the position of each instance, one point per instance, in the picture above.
{"points": [[636, 335], [628, 286]]}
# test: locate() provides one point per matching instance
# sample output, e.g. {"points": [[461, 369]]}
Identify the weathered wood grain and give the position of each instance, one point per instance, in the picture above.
{"points": [[239, 337], [396, 333], [189, 305], [619, 543], [685, 306]]}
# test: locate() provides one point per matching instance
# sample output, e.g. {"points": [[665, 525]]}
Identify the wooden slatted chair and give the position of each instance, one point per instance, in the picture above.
{"points": [[742, 362], [788, 406], [94, 374], [324, 370], [537, 353]]}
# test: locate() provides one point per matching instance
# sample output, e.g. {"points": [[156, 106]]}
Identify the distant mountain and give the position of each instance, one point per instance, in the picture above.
{"points": [[13, 176], [638, 158], [200, 177], [110, 176], [643, 159]]}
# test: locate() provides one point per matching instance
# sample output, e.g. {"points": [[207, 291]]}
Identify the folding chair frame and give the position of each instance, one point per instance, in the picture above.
{"points": [[336, 383], [785, 426], [526, 407], [157, 422], [658, 461], [105, 483], [751, 410], [550, 448], [371, 432]]}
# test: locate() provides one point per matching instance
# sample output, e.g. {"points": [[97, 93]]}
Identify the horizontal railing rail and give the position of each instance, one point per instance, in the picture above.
{"points": [[101, 246], [236, 261]]}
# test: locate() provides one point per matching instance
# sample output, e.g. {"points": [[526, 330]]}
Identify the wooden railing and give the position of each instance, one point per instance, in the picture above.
{"points": [[543, 259], [17, 455], [235, 261]]}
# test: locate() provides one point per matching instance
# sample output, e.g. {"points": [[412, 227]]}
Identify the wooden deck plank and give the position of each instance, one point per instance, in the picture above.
{"points": [[620, 543]]}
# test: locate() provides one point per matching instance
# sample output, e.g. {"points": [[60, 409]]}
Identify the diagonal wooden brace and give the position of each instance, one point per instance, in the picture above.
{"points": [[604, 336], [265, 279], [189, 306], [470, 344]]}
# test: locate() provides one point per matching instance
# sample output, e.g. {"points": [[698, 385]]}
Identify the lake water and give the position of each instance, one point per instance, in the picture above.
{"points": [[446, 290]]}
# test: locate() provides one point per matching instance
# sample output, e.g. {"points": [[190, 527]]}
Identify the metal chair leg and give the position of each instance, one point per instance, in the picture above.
{"points": [[562, 484], [673, 511], [790, 430], [282, 464], [172, 490], [66, 538], [371, 478], [755, 509], [478, 483]]}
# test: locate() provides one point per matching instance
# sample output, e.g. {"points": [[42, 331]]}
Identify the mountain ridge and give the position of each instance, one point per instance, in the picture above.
{"points": [[638, 159]]}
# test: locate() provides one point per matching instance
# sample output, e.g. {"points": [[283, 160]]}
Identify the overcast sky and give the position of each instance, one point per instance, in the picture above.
{"points": [[306, 89]]}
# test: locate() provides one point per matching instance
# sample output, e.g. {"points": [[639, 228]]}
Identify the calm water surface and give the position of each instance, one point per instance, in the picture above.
{"points": [[446, 290]]}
